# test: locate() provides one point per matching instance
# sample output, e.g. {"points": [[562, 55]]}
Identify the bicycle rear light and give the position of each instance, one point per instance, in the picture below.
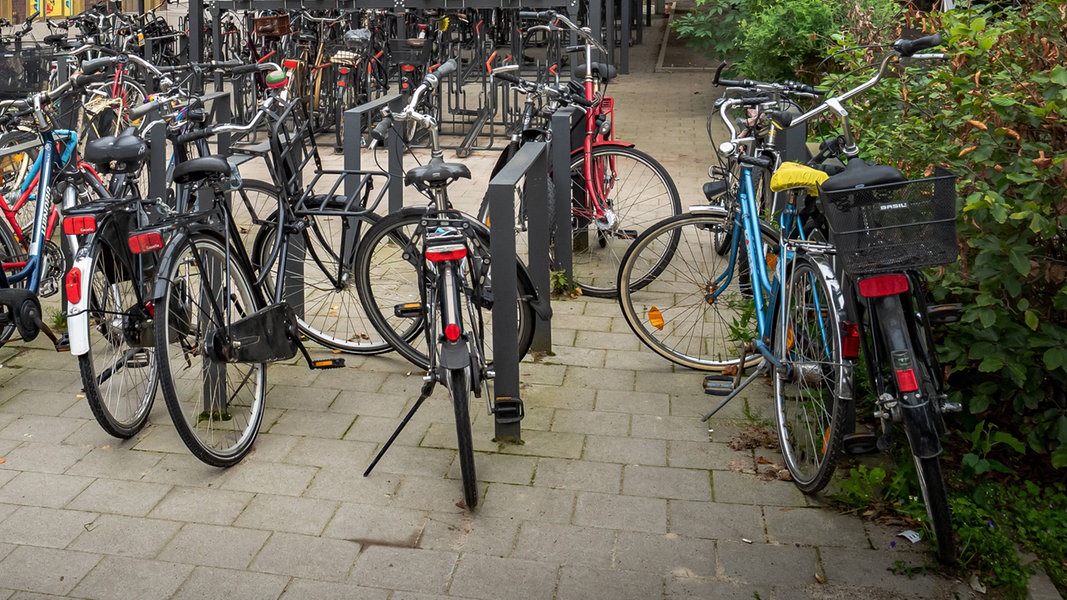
{"points": [[446, 253], [74, 285], [850, 339], [883, 285], [146, 242], [79, 225]]}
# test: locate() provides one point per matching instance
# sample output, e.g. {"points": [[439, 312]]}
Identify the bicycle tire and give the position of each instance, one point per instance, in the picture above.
{"points": [[809, 399], [387, 277], [460, 389], [328, 307], [119, 395], [932, 484], [666, 282], [10, 251], [641, 193], [217, 420]]}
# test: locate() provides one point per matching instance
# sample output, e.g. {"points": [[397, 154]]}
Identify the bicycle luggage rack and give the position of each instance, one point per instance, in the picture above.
{"points": [[353, 201]]}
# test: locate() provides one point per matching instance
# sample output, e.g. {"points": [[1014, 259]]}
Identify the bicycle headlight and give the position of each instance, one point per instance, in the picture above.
{"points": [[727, 148]]}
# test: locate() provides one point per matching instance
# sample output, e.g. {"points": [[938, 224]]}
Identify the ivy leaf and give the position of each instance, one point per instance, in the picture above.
{"points": [[1059, 76]]}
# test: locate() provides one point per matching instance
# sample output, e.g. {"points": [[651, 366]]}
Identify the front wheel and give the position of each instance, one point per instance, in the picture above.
{"points": [[216, 405], [627, 192], [809, 397], [459, 387], [119, 372]]}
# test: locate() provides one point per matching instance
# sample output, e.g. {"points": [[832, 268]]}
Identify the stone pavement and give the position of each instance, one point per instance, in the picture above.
{"points": [[619, 490]]}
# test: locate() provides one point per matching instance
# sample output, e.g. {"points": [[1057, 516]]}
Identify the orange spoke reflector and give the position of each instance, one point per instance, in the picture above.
{"points": [[790, 341], [655, 317], [825, 440]]}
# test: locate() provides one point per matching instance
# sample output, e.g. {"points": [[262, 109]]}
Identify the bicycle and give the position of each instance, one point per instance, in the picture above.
{"points": [[617, 191], [440, 258]]}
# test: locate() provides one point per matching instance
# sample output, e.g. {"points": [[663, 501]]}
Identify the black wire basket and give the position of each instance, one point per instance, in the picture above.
{"points": [[892, 227], [25, 70]]}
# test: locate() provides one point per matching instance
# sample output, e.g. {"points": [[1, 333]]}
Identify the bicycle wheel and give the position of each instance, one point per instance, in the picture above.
{"points": [[10, 252], [216, 405], [686, 302], [635, 191], [932, 483], [387, 277], [809, 404], [459, 387], [326, 302], [119, 372]]}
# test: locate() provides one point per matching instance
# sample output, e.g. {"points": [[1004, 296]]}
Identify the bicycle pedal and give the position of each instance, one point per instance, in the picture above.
{"points": [[718, 385], [626, 234], [328, 363], [63, 343], [860, 443], [941, 314], [410, 310]]}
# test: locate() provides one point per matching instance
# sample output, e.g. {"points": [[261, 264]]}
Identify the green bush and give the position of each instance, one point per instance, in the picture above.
{"points": [[996, 116]]}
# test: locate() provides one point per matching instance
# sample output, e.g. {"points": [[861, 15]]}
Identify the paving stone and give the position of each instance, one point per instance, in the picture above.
{"points": [[676, 383], [411, 569], [583, 583], [378, 429], [645, 403], [125, 536], [717, 520], [460, 531], [626, 450], [206, 583], [377, 525], [485, 577], [293, 396], [564, 352], [666, 482], [31, 379], [547, 397], [583, 322], [300, 589], [766, 564], [348, 483], [527, 503], [185, 469], [541, 373], [699, 588], [44, 458], [746, 488], [215, 546], [585, 378], [41, 429], [874, 569], [319, 452], [45, 570], [431, 493], [286, 513], [412, 460], [665, 554], [377, 404], [579, 475], [668, 428], [813, 526], [201, 505], [601, 423], [310, 557], [567, 545], [628, 513], [354, 380], [271, 478], [163, 440], [547, 443], [704, 455], [112, 463], [49, 527], [43, 489], [119, 578], [6, 509], [133, 498], [311, 424], [35, 402], [500, 468]]}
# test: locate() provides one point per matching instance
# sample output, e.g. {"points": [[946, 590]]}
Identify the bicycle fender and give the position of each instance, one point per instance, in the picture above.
{"points": [[601, 143], [78, 312], [455, 356], [174, 244]]}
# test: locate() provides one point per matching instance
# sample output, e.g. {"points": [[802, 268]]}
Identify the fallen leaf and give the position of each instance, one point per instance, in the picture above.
{"points": [[819, 578], [967, 151], [3, 460], [729, 370], [1042, 162], [762, 461], [978, 124]]}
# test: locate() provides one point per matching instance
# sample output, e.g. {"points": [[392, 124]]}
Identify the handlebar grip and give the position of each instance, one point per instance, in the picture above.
{"points": [[449, 66], [909, 47], [544, 14], [80, 80], [35, 14], [762, 162], [735, 83], [196, 134], [143, 109], [582, 101], [508, 77], [244, 69], [753, 101], [377, 135], [97, 65]]}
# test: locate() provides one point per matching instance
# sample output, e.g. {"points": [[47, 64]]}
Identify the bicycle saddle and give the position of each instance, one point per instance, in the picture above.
{"points": [[858, 173], [795, 175], [602, 71], [197, 169], [307, 38], [124, 153], [436, 172]]}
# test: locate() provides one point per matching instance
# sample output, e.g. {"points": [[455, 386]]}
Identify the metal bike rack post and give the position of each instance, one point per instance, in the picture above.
{"points": [[352, 147], [530, 161], [157, 158], [561, 179]]}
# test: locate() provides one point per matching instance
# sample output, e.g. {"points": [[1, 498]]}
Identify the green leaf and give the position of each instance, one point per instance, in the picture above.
{"points": [[1031, 319], [1059, 457], [1020, 261], [1001, 437], [1055, 358], [991, 364], [979, 404], [1059, 75]]}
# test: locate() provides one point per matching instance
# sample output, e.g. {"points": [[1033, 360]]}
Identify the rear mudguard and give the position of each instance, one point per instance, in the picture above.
{"points": [[78, 312]]}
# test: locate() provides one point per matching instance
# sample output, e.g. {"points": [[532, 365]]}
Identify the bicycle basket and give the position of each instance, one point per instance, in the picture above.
{"points": [[894, 226], [271, 25], [24, 72]]}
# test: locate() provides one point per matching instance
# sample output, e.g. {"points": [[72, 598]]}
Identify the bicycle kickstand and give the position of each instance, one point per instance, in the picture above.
{"points": [[714, 384], [427, 389]]}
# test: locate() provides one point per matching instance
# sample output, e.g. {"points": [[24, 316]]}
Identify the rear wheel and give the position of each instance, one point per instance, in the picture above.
{"points": [[932, 483], [216, 405], [459, 387], [809, 410], [11, 253], [119, 372]]}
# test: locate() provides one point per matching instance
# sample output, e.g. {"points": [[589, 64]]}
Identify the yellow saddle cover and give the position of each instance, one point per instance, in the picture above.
{"points": [[795, 175]]}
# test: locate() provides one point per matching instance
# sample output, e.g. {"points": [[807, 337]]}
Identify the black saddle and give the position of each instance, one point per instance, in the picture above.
{"points": [[124, 153], [861, 174], [198, 169], [601, 71], [436, 172]]}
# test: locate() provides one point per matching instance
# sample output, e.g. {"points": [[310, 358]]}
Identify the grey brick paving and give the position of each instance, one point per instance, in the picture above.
{"points": [[618, 492]]}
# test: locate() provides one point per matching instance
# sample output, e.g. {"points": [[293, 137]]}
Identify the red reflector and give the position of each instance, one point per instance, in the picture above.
{"points": [[850, 339], [407, 68], [446, 253], [79, 225], [343, 70], [146, 242], [74, 285], [452, 332], [290, 63], [883, 285], [906, 381]]}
